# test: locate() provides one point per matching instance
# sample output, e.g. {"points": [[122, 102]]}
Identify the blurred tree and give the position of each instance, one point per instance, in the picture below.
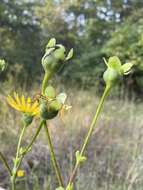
{"points": [[20, 38], [94, 28]]}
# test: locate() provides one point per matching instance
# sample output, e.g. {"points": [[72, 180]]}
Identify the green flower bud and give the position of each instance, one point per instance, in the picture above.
{"points": [[55, 106], [115, 70], [54, 57], [49, 110], [59, 53], [27, 119], [50, 92], [111, 77]]}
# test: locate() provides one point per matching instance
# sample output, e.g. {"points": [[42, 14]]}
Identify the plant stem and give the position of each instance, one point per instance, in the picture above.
{"points": [[14, 171], [89, 134], [31, 143], [45, 81], [3, 159], [53, 157]]}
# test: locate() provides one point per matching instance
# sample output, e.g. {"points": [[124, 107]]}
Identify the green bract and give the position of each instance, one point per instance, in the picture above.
{"points": [[115, 70], [50, 92], [2, 65], [55, 56], [27, 119]]}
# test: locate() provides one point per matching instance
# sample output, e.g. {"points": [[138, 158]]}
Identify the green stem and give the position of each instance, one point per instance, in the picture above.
{"points": [[89, 134], [31, 143], [53, 157], [3, 159], [14, 171], [45, 81]]}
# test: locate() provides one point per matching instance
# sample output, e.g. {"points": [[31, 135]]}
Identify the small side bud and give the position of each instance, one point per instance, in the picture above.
{"points": [[79, 158]]}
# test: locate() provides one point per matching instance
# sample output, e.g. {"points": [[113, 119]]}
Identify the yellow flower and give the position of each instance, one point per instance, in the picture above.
{"points": [[23, 105], [20, 173]]}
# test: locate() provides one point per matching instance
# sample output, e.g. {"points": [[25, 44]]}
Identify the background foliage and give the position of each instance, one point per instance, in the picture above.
{"points": [[94, 28]]}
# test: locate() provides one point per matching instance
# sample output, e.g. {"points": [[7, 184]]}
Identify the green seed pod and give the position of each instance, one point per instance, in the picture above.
{"points": [[27, 119], [54, 57], [50, 110], [50, 92], [59, 53], [111, 77], [55, 106], [47, 62]]}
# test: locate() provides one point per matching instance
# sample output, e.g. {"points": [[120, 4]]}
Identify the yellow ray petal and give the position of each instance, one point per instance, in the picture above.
{"points": [[17, 99], [34, 106], [12, 103], [23, 104], [28, 104]]}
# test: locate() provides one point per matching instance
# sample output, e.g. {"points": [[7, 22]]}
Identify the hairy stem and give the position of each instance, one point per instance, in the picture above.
{"points": [[89, 134], [53, 157], [14, 171]]}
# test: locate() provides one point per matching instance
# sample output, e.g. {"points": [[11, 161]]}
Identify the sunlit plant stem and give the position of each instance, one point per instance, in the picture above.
{"points": [[52, 153], [16, 161], [89, 134], [53, 157]]}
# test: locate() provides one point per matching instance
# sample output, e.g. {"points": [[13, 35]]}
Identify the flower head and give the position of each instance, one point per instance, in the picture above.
{"points": [[20, 173], [115, 70], [23, 105]]}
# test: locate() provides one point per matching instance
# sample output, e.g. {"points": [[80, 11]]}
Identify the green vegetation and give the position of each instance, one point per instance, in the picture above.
{"points": [[95, 29]]}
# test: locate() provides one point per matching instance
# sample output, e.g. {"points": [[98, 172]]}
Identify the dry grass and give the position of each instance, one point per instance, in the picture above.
{"points": [[115, 157]]}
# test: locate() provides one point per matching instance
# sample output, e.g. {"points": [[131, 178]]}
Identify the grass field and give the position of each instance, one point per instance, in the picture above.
{"points": [[114, 153]]}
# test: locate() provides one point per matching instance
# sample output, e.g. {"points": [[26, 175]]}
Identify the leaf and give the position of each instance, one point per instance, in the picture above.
{"points": [[62, 97], [51, 43], [3, 65], [126, 68], [115, 63], [79, 158], [70, 54]]}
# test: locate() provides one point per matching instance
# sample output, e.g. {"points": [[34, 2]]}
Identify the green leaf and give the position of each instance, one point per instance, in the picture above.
{"points": [[2, 65], [62, 97], [70, 54], [79, 158], [51, 43], [126, 68]]}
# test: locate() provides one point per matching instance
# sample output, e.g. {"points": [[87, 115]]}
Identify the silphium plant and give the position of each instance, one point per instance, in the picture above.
{"points": [[113, 74], [46, 107]]}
